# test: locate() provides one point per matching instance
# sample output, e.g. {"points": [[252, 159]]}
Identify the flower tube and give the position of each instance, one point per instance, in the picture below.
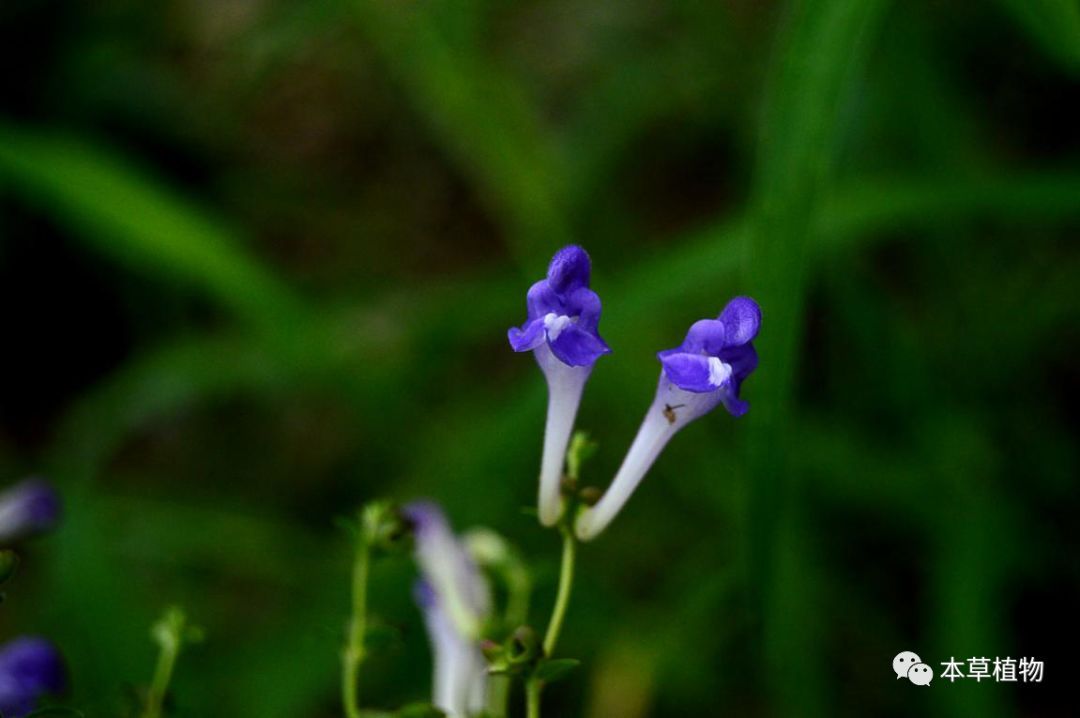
{"points": [[561, 330], [29, 668], [455, 600], [28, 508], [707, 370]]}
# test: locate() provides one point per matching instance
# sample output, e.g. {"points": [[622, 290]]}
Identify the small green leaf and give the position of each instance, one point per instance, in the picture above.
{"points": [[551, 671]]}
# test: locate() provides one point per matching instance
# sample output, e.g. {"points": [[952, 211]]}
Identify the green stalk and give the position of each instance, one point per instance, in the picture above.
{"points": [[562, 599], [532, 699], [170, 632], [534, 686], [155, 697], [353, 654]]}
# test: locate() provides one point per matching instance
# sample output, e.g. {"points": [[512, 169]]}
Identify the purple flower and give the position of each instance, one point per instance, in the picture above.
{"points": [[29, 668], [563, 313], [455, 600], [562, 331], [717, 354], [706, 370], [27, 508]]}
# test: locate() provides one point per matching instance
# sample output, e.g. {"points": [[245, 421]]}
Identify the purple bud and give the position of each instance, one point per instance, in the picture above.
{"points": [[28, 508], [30, 667]]}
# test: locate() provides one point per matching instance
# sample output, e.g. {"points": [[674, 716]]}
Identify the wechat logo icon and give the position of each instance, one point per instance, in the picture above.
{"points": [[909, 665]]}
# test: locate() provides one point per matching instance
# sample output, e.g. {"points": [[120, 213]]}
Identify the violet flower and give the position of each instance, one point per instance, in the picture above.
{"points": [[705, 371], [456, 601], [28, 508], [561, 330], [30, 667]]}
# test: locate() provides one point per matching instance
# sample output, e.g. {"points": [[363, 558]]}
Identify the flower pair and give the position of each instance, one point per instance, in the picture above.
{"points": [[561, 329]]}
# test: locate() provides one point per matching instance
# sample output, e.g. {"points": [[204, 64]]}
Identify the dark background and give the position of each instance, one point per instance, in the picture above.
{"points": [[257, 260]]}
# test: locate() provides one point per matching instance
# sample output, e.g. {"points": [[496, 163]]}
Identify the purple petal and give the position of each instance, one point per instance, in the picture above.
{"points": [[743, 360], [741, 318], [734, 405], [569, 269], [578, 347], [584, 303], [707, 335], [528, 337], [689, 372], [30, 667], [542, 299]]}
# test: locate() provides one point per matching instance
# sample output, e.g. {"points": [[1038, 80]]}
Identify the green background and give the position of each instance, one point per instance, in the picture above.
{"points": [[258, 258]]}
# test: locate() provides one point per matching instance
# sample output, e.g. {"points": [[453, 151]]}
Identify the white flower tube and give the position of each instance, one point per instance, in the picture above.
{"points": [[565, 387], [455, 600], [459, 672], [672, 409]]}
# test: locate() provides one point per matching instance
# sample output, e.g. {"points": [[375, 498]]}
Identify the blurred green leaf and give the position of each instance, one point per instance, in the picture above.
{"points": [[482, 116], [131, 216], [818, 54], [1053, 24]]}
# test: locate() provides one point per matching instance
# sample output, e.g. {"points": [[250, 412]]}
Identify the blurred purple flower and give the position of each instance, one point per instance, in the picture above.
{"points": [[27, 508], [705, 371], [561, 330], [29, 668], [455, 600]]}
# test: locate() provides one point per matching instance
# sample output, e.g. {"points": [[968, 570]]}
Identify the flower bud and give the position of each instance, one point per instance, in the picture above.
{"points": [[522, 647]]}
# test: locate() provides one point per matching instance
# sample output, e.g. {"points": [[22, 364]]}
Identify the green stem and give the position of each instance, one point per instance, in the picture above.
{"points": [[155, 696], [170, 632], [562, 599], [498, 696], [353, 654], [532, 698], [533, 686]]}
